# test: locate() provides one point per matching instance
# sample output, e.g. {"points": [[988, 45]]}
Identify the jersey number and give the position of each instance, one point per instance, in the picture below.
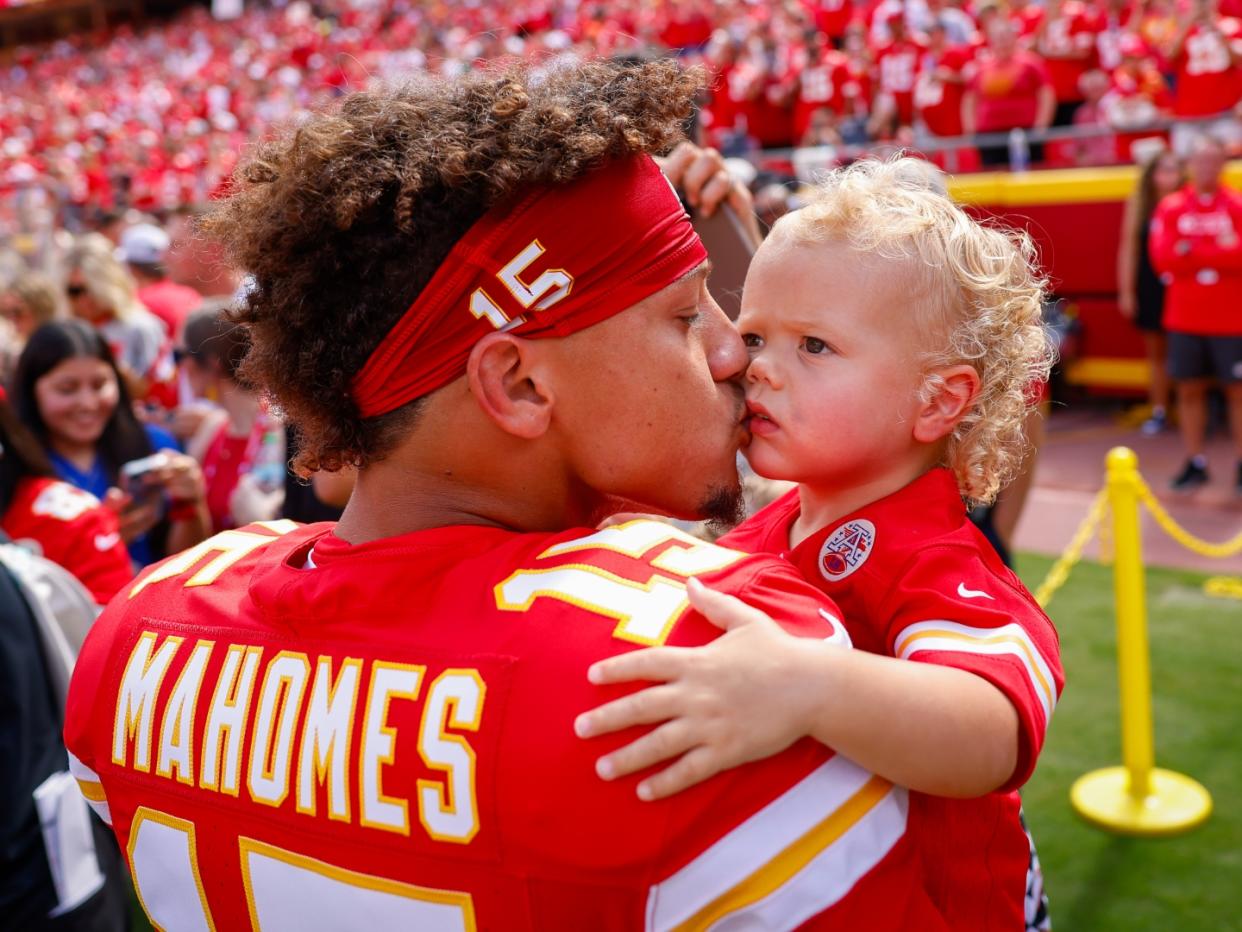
{"points": [[645, 612], [284, 890]]}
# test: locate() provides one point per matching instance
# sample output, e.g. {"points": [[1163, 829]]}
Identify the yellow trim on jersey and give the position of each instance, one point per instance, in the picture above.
{"points": [[777, 872], [92, 790]]}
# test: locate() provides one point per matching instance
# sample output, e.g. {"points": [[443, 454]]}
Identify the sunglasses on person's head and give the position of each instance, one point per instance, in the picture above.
{"points": [[75, 291]]}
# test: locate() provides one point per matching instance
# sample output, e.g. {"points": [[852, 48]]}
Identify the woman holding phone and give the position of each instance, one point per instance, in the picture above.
{"points": [[68, 391]]}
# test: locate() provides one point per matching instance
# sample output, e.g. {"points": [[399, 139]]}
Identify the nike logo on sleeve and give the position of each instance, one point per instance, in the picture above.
{"points": [[972, 593]]}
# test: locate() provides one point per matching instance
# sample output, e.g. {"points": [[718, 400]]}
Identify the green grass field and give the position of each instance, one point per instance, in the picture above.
{"points": [[1099, 882]]}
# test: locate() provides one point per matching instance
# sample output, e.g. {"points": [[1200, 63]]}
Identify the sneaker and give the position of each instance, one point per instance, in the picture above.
{"points": [[1154, 424], [1191, 477]]}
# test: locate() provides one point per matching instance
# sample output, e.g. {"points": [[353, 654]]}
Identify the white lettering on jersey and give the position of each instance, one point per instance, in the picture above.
{"points": [[177, 727], [226, 719], [135, 699], [449, 811], [388, 681], [271, 745], [326, 737], [64, 502]]}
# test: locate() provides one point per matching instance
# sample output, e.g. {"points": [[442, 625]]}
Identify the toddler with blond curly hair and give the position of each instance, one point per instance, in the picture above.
{"points": [[894, 343]]}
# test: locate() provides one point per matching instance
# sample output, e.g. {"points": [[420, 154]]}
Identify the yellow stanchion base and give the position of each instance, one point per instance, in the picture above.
{"points": [[1176, 804]]}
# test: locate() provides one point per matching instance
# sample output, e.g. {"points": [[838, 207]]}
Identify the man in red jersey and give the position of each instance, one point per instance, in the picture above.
{"points": [[486, 296], [1065, 40], [1196, 246], [897, 66], [824, 82], [1206, 55]]}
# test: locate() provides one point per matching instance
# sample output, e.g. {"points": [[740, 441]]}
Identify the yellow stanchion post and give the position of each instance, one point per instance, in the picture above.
{"points": [[1136, 798]]}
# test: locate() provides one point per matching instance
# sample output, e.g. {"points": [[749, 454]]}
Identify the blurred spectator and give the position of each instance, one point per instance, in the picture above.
{"points": [[1196, 245], [825, 91], [1207, 78], [772, 202], [1097, 148], [1010, 90], [946, 70], [70, 394], [197, 262], [53, 519], [1065, 40], [102, 292], [1140, 293], [29, 300], [897, 66], [229, 443], [1137, 97], [144, 247]]}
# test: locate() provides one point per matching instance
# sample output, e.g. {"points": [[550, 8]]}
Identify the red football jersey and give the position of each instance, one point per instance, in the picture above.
{"points": [[1066, 43], [1206, 79], [1196, 245], [70, 527], [939, 102], [826, 84], [917, 580], [286, 731]]}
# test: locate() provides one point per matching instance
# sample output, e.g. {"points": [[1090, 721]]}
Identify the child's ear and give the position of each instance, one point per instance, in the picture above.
{"points": [[507, 381], [953, 395]]}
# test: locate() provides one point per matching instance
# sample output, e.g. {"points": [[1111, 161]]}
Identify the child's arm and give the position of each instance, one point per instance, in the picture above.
{"points": [[756, 690]]}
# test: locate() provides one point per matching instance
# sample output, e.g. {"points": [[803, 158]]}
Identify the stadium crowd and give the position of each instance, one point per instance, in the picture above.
{"points": [[156, 118]]}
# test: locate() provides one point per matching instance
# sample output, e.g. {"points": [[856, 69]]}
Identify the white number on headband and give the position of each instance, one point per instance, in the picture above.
{"points": [[550, 287]]}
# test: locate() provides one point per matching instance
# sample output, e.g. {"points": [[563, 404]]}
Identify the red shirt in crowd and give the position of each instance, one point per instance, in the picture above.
{"points": [[831, 16], [939, 102], [170, 302], [1207, 80], [72, 528], [279, 724], [1196, 246], [917, 580], [827, 84], [1007, 92], [897, 68], [1066, 42]]}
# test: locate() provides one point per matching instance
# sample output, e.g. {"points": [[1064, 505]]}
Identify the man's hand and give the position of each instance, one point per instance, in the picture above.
{"points": [[737, 699], [700, 174]]}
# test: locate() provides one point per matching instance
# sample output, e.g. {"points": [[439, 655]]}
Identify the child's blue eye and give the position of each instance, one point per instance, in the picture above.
{"points": [[814, 345]]}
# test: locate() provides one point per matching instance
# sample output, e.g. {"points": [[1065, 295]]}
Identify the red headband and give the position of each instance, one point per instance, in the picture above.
{"points": [[562, 258]]}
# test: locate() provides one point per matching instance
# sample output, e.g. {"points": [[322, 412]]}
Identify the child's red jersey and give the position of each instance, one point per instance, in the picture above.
{"points": [[917, 580]]}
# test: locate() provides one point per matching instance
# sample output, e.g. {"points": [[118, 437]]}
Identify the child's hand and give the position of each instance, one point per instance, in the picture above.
{"points": [[740, 698]]}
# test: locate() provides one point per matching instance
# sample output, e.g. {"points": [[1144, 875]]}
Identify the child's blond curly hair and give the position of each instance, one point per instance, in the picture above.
{"points": [[986, 298]]}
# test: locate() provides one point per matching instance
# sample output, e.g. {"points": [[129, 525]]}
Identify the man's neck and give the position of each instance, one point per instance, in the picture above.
{"points": [[1207, 191], [241, 406], [391, 499]]}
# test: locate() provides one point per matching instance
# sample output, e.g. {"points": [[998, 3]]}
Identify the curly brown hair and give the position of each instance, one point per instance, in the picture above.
{"points": [[342, 222]]}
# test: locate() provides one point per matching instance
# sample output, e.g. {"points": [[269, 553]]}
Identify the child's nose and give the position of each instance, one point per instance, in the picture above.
{"points": [[762, 369]]}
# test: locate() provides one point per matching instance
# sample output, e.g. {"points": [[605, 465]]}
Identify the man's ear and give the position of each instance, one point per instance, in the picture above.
{"points": [[953, 393], [507, 382]]}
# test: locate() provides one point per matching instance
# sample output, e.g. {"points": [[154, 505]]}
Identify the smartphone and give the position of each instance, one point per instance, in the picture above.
{"points": [[730, 246], [134, 477]]}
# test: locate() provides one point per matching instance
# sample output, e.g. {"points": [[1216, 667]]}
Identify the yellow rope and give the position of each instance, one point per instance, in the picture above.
{"points": [[1060, 570], [1180, 534], [1223, 587]]}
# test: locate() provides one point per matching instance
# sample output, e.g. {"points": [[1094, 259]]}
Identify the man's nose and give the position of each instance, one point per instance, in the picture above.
{"points": [[726, 353]]}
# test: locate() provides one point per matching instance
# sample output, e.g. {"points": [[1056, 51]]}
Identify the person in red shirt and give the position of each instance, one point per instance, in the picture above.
{"points": [[945, 71], [145, 249], [897, 68], [60, 522], [374, 718], [1010, 89], [861, 397], [1066, 42], [831, 17], [824, 82], [1206, 55], [1196, 246]]}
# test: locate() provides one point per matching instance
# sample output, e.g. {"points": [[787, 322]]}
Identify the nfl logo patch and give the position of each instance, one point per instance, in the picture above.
{"points": [[846, 549]]}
